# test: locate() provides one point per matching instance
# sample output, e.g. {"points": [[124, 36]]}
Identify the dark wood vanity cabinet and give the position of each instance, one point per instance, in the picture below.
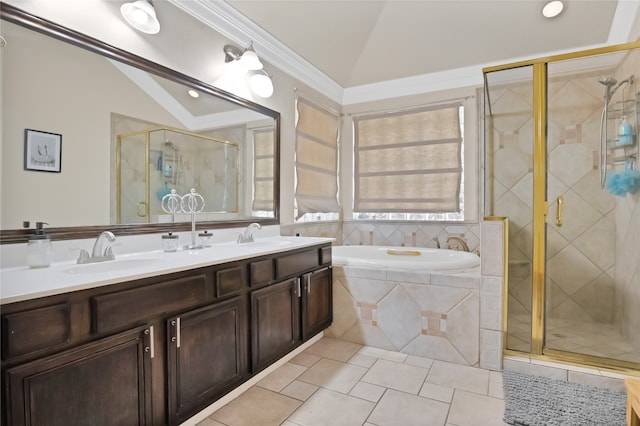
{"points": [[206, 356], [106, 382], [293, 303], [156, 351]]}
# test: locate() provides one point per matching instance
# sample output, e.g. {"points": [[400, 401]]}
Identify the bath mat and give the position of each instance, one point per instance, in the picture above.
{"points": [[540, 401]]}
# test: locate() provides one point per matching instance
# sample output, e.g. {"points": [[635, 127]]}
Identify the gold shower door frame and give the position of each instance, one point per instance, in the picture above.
{"points": [[540, 211]]}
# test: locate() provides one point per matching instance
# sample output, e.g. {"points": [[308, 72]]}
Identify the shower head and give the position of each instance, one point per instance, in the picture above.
{"points": [[607, 81]]}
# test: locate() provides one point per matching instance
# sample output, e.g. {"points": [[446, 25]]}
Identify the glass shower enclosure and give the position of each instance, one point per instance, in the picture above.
{"points": [[561, 151]]}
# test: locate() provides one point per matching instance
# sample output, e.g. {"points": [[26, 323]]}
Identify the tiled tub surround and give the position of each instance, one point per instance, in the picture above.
{"points": [[424, 313]]}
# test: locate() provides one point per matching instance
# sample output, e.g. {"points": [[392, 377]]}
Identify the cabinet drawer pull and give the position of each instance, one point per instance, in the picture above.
{"points": [[298, 292], [151, 347], [307, 278], [178, 332]]}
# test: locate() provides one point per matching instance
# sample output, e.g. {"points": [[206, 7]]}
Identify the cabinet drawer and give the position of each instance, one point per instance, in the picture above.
{"points": [[296, 263], [230, 281], [111, 311], [261, 272], [28, 331]]}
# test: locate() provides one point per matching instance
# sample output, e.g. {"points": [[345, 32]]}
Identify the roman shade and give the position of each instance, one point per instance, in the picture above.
{"points": [[316, 159], [408, 161]]}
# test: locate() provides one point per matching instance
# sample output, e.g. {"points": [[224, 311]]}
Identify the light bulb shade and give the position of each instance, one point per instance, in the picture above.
{"points": [[250, 60], [141, 15], [261, 85]]}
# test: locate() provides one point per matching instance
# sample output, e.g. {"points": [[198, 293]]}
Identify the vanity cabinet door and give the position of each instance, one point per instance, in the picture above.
{"points": [[317, 302], [206, 356], [275, 321], [106, 382]]}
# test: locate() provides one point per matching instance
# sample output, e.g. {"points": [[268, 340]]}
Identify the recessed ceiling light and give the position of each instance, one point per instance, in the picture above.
{"points": [[193, 93], [552, 8]]}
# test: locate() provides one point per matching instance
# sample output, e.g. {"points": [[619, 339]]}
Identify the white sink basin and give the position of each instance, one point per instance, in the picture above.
{"points": [[112, 266]]}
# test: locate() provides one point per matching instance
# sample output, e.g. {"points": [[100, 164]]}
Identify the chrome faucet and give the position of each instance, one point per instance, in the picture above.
{"points": [[437, 241], [98, 253], [247, 235], [461, 242]]}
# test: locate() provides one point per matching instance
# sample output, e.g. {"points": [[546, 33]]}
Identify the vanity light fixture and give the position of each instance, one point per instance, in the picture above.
{"points": [[552, 9], [261, 84], [141, 15], [239, 62]]}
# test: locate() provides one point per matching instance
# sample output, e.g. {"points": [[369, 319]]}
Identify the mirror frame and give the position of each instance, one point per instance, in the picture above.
{"points": [[22, 18]]}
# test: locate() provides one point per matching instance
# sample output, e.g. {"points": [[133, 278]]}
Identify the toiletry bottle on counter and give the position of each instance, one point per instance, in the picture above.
{"points": [[625, 133], [39, 248]]}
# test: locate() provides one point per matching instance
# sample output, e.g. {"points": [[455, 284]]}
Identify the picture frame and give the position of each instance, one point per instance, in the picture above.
{"points": [[42, 151]]}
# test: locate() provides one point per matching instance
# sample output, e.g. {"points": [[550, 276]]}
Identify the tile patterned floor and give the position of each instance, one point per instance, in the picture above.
{"points": [[337, 383]]}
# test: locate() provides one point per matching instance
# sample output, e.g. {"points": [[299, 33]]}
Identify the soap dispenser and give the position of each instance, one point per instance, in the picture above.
{"points": [[625, 132], [39, 248]]}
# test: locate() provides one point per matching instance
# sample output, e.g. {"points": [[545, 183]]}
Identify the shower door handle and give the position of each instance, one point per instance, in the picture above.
{"points": [[560, 211]]}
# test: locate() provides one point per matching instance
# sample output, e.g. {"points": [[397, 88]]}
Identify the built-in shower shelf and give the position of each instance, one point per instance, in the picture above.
{"points": [[622, 159], [615, 143]]}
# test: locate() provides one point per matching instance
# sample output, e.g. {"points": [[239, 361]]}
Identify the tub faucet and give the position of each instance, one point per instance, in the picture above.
{"points": [[461, 242], [98, 253], [437, 241], [247, 235]]}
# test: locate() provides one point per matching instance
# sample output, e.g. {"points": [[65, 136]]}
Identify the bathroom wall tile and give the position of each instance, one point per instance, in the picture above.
{"points": [[492, 243], [518, 213], [365, 333], [321, 409], [463, 280], [437, 348], [368, 290], [415, 410], [419, 277], [514, 165], [491, 349], [344, 309], [435, 298], [399, 317], [462, 327], [581, 272], [491, 294]]}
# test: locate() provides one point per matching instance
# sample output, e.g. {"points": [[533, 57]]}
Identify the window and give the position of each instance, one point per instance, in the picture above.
{"points": [[316, 162], [408, 164]]}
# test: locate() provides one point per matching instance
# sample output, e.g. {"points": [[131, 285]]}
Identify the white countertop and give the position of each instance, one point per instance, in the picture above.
{"points": [[22, 283]]}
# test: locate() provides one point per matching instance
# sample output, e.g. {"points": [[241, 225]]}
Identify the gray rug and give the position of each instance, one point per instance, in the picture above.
{"points": [[539, 401]]}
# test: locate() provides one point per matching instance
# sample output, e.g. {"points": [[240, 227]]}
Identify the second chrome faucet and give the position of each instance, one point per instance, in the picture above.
{"points": [[99, 253]]}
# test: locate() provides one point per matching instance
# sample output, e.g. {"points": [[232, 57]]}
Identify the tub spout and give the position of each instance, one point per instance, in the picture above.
{"points": [[460, 241], [437, 241]]}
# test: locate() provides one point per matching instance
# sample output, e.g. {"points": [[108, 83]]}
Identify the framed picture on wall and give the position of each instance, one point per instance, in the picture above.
{"points": [[42, 151]]}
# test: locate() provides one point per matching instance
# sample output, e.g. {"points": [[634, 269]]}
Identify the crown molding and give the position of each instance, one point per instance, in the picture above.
{"points": [[226, 20]]}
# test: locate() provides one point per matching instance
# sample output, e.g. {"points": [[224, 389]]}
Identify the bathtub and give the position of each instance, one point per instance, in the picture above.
{"points": [[411, 258]]}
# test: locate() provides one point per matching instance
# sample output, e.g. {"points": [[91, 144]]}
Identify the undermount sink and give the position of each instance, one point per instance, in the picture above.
{"points": [[112, 266]]}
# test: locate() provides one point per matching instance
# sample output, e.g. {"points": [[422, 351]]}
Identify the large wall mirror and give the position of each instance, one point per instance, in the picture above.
{"points": [[94, 137]]}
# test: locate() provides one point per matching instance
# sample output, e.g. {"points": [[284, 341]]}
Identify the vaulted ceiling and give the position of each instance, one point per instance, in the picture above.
{"points": [[355, 45]]}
